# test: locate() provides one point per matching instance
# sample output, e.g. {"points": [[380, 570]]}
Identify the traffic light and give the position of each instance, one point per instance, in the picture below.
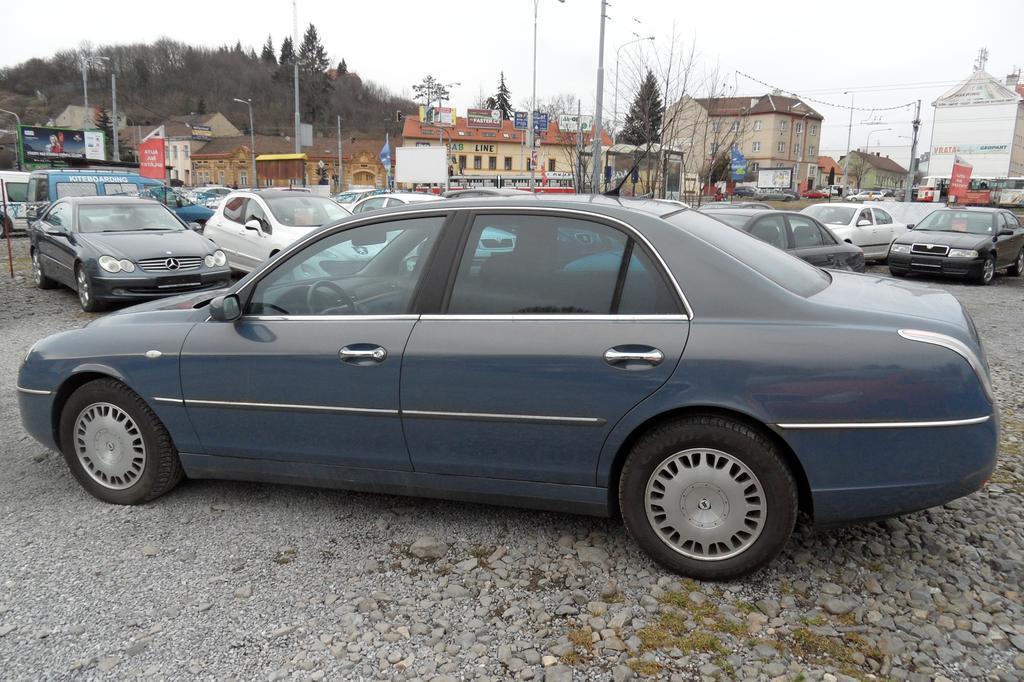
{"points": [[399, 116]]}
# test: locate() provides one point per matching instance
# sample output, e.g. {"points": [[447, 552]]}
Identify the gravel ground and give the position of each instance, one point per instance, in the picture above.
{"points": [[244, 581]]}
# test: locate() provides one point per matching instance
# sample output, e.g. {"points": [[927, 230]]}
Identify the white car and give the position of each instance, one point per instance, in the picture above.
{"points": [[349, 199], [871, 195], [376, 201], [252, 226], [869, 227]]}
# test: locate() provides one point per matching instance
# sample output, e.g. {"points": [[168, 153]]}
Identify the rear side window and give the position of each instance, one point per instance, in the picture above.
{"points": [[881, 217], [16, 191], [233, 209], [76, 189], [805, 232], [771, 229], [112, 188]]}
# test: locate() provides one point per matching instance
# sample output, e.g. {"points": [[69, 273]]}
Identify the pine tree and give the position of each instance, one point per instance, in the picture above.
{"points": [[105, 123], [503, 99], [314, 84], [285, 61], [268, 55], [342, 68], [201, 105], [643, 122]]}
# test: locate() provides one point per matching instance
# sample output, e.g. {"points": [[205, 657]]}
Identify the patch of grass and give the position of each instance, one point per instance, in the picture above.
{"points": [[682, 601], [580, 637], [480, 553], [654, 637], [286, 556], [701, 641], [671, 632], [572, 658], [816, 621], [745, 606], [811, 646], [616, 598], [644, 668], [730, 627], [865, 647]]}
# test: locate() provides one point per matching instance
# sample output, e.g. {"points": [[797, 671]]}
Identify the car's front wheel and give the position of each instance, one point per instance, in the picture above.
{"points": [[1017, 269], [708, 497], [86, 295], [116, 446], [988, 270]]}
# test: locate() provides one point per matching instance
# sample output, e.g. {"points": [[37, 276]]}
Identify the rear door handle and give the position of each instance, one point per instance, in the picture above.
{"points": [[363, 354], [620, 355]]}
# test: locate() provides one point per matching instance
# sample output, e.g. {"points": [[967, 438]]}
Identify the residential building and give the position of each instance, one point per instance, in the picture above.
{"points": [[772, 131], [829, 166], [981, 120], [874, 171], [75, 118]]}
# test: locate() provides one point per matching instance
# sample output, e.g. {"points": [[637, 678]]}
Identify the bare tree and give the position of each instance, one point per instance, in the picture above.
{"points": [[857, 167]]}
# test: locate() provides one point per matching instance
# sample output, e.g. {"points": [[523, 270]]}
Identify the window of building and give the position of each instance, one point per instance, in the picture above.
{"points": [[508, 163], [756, 147], [735, 127], [781, 147], [782, 126], [462, 163], [220, 175], [810, 149], [796, 149], [713, 148], [814, 129], [243, 179], [551, 165], [492, 163], [799, 128], [753, 166], [529, 165], [185, 151], [757, 126], [715, 126], [478, 162]]}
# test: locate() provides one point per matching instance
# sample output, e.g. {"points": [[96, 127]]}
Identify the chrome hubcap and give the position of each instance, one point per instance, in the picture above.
{"points": [[1020, 261], [705, 504], [83, 287], [109, 446], [990, 269], [37, 270]]}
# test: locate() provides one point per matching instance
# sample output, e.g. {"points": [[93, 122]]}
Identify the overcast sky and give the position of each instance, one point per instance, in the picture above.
{"points": [[888, 55]]}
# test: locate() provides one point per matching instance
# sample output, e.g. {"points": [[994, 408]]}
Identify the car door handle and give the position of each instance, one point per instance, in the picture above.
{"points": [[362, 354], [615, 356]]}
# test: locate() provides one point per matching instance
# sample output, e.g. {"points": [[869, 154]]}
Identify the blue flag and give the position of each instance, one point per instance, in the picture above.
{"points": [[738, 165], [385, 155]]}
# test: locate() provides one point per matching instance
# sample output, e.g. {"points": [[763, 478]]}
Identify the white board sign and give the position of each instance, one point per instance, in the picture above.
{"points": [[421, 164]]}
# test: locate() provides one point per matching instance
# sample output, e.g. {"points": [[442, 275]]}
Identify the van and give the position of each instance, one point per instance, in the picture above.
{"points": [[12, 193], [46, 186]]}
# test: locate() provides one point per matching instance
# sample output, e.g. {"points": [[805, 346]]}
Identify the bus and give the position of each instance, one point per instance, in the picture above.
{"points": [[1004, 192]]}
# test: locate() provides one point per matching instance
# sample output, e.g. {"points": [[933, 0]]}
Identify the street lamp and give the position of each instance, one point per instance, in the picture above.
{"points": [[443, 89], [252, 140], [596, 156], [849, 138], [615, 114], [85, 61], [533, 99], [17, 136], [877, 130]]}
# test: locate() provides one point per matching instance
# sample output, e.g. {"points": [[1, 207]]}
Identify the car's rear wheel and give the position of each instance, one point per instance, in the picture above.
{"points": [[86, 296], [39, 278], [116, 446], [1018, 265], [708, 497], [988, 271]]}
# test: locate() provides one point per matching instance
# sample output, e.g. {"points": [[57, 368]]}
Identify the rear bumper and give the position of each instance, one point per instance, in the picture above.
{"points": [[936, 265], [870, 473]]}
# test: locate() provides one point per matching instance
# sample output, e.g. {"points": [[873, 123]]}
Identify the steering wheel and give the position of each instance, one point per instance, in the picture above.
{"points": [[343, 302]]}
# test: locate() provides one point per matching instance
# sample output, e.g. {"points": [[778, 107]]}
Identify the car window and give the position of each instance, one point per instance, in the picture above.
{"points": [[131, 217], [234, 208], [112, 188], [865, 214], [370, 204], [805, 232], [881, 217], [303, 210], [76, 189], [953, 220], [645, 290], [254, 211], [1011, 221], [367, 270], [16, 191], [771, 229], [59, 215], [830, 215], [545, 265]]}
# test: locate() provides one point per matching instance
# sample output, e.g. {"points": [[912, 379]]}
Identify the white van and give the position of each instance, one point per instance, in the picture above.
{"points": [[13, 191]]}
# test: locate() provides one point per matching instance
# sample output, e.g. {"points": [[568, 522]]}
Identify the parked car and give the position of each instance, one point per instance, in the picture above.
{"points": [[252, 227], [392, 199], [871, 228], [797, 234], [348, 199], [13, 190], [744, 191], [962, 242], [730, 205], [776, 195], [871, 195], [121, 249], [814, 194], [49, 185], [699, 382], [209, 196], [478, 192], [185, 208]]}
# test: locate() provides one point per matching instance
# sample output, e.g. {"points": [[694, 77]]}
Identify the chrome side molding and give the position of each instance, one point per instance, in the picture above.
{"points": [[885, 425]]}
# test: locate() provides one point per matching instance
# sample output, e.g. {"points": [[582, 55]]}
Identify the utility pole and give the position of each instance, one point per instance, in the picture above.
{"points": [[87, 60], [341, 176], [846, 159], [908, 190], [295, 50], [596, 178], [113, 110], [252, 139], [533, 102], [579, 142]]}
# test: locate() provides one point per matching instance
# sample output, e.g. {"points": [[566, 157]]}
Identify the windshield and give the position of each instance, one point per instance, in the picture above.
{"points": [[125, 218], [970, 222], [305, 211], [789, 272], [831, 215]]}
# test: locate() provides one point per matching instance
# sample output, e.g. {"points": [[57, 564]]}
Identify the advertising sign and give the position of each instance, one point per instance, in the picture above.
{"points": [[571, 123], [52, 144], [421, 164], [483, 118], [521, 120], [151, 159], [971, 149], [960, 180], [737, 165], [438, 116], [774, 178], [202, 133], [540, 121]]}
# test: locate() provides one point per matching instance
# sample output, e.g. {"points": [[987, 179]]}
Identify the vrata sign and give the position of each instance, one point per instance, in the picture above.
{"points": [[151, 159]]}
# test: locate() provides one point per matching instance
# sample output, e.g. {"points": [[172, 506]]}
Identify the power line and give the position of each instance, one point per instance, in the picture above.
{"points": [[823, 102]]}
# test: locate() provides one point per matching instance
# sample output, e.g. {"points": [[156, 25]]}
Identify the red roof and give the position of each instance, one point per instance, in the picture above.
{"points": [[827, 164], [462, 131]]}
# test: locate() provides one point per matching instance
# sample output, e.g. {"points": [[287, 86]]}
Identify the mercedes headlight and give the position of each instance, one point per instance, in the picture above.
{"points": [[962, 253], [899, 248], [215, 259], [111, 264]]}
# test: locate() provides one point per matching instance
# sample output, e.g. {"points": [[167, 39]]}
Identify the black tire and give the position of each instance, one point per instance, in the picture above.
{"points": [[743, 444], [1017, 269], [84, 289], [38, 277], [161, 469], [988, 271]]}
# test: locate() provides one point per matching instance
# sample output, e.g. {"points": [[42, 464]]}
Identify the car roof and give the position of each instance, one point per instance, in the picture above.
{"points": [[492, 191], [973, 209], [112, 199], [605, 205], [841, 204]]}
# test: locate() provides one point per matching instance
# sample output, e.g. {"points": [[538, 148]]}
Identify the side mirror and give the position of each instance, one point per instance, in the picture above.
{"points": [[863, 223], [177, 203], [848, 241], [1006, 232], [253, 224], [195, 227], [910, 226], [225, 308]]}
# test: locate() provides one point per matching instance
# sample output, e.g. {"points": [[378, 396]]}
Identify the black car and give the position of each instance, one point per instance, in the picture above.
{"points": [[962, 242], [120, 248], [798, 234], [744, 191], [480, 192]]}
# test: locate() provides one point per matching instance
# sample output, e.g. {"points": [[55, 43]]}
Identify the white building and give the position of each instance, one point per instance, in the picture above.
{"points": [[982, 121]]}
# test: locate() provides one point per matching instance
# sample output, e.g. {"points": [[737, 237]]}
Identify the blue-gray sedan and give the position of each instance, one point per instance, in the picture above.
{"points": [[584, 355]]}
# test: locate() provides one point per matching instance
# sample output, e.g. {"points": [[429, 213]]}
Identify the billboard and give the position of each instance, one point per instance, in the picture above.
{"points": [[775, 177], [421, 164], [438, 116], [483, 118], [151, 159], [202, 133], [55, 144], [571, 123]]}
